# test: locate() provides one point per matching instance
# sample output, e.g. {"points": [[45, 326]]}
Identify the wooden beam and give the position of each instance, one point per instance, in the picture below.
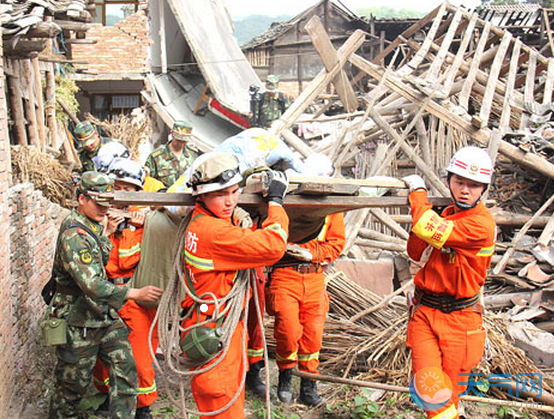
{"points": [[40, 104], [16, 108], [163, 51], [474, 68], [23, 47], [29, 104], [338, 203], [317, 85], [72, 25], [43, 30], [529, 88], [329, 57]]}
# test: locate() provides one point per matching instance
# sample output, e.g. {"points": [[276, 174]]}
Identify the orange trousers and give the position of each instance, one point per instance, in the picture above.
{"points": [[215, 388], [255, 339], [300, 304], [138, 319], [453, 342]]}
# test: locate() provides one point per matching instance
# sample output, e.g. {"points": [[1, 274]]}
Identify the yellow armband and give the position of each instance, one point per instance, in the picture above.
{"points": [[433, 229]]}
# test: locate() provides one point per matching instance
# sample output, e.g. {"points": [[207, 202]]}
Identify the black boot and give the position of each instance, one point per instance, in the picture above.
{"points": [[284, 388], [143, 413], [253, 380], [308, 393]]}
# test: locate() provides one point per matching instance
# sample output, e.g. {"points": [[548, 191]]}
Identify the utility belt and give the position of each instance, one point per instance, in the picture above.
{"points": [[302, 267], [120, 280], [444, 303]]}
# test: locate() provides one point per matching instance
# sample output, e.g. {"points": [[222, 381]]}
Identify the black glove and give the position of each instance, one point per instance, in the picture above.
{"points": [[277, 186]]}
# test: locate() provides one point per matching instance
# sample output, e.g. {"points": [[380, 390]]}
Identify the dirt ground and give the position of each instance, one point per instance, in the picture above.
{"points": [[343, 402]]}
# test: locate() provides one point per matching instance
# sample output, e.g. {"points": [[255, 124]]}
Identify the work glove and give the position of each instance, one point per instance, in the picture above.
{"points": [[414, 182], [277, 186], [299, 253]]}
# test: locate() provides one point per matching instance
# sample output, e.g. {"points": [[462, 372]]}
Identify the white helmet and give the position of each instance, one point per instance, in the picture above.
{"points": [[213, 172], [472, 163], [107, 153], [126, 170]]}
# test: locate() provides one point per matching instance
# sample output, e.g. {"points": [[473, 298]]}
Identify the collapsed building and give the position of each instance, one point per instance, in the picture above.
{"points": [[450, 79]]}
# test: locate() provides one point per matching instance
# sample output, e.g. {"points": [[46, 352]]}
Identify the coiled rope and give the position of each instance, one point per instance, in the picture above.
{"points": [[169, 318]]}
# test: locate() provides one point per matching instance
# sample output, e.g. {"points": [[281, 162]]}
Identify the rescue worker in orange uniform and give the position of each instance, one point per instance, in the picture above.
{"points": [[299, 302], [215, 249], [446, 330], [126, 237]]}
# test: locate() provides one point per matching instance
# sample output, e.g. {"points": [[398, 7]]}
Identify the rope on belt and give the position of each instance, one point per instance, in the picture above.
{"points": [[168, 320], [445, 303]]}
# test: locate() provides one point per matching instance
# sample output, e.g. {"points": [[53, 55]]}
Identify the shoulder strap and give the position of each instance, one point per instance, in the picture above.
{"points": [[77, 224]]}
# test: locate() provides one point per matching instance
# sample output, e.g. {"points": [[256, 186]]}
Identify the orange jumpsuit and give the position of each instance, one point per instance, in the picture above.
{"points": [[463, 245], [300, 303], [124, 257], [215, 250]]}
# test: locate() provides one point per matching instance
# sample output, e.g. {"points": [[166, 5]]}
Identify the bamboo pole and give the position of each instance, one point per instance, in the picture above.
{"points": [[400, 389], [29, 103]]}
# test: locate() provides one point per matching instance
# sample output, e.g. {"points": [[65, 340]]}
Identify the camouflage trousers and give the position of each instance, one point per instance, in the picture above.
{"points": [[76, 362]]}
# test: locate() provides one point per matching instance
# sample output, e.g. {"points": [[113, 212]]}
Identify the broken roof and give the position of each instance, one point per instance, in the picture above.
{"points": [[278, 28]]}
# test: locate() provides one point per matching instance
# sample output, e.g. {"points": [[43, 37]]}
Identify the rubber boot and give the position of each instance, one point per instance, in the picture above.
{"points": [[253, 380], [308, 393], [284, 388], [143, 413]]}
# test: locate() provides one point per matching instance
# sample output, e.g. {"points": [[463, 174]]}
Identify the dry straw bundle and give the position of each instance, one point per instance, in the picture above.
{"points": [[131, 130], [31, 165]]}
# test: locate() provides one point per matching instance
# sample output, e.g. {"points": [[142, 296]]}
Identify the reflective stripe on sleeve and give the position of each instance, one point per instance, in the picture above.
{"points": [[276, 227], [129, 252], [433, 229], [199, 263], [486, 251], [449, 413]]}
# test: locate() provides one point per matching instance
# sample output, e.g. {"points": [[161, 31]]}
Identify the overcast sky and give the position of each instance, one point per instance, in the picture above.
{"points": [[239, 8]]}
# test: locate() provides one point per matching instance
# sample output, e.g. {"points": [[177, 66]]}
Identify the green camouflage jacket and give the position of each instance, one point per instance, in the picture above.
{"points": [[166, 167], [86, 157], [84, 295], [271, 106]]}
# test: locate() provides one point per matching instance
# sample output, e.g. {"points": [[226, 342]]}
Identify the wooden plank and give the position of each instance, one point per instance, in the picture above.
{"points": [[549, 83], [16, 108], [420, 55], [486, 103], [436, 65], [370, 182], [416, 27], [317, 85], [329, 57], [529, 95], [443, 112], [475, 61], [29, 104], [504, 124], [340, 203], [453, 70], [40, 105]]}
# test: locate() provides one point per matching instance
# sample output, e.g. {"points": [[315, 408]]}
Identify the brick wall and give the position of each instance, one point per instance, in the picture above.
{"points": [[122, 48], [33, 227]]}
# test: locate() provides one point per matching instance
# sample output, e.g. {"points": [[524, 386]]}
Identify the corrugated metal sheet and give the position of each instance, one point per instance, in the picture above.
{"points": [[208, 32]]}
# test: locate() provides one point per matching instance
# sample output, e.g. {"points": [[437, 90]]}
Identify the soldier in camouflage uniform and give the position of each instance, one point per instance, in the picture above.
{"points": [[272, 104], [169, 161], [89, 303], [88, 142]]}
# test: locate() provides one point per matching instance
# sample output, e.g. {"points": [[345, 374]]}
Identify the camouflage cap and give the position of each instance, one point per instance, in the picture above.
{"points": [[84, 133], [94, 183], [181, 130], [271, 82]]}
